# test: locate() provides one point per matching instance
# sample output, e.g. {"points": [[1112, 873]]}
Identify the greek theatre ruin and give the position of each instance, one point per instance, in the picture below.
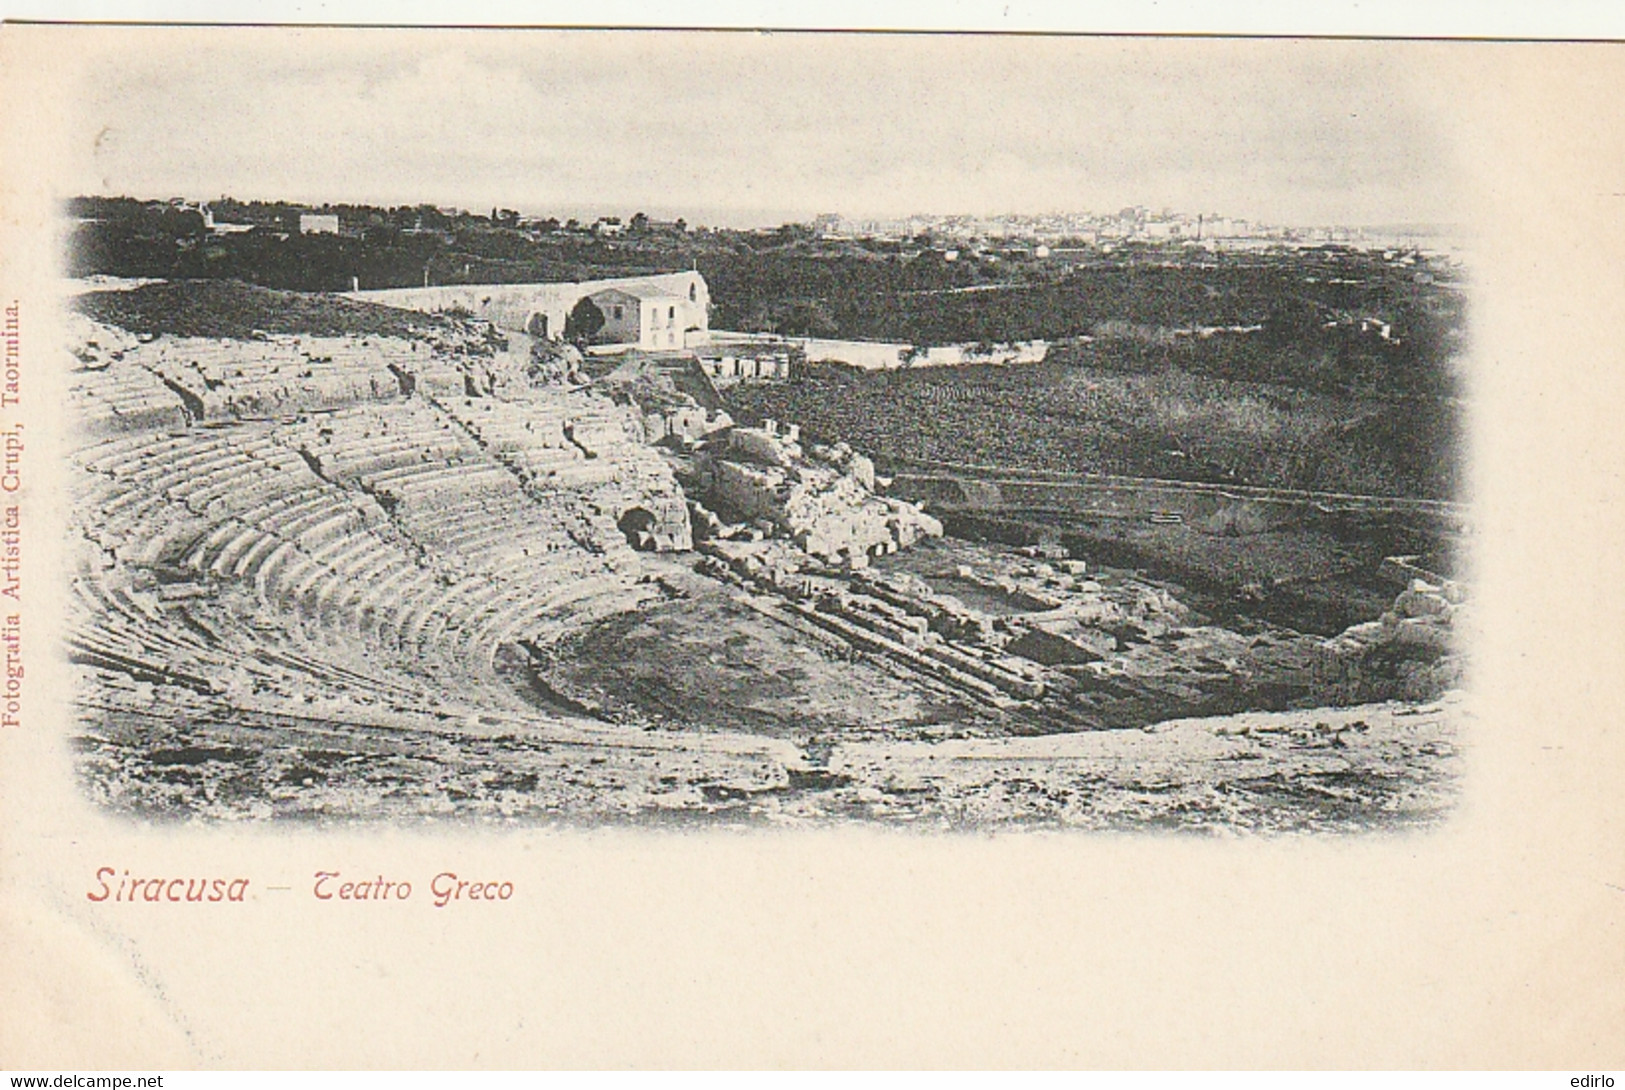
{"points": [[670, 310]]}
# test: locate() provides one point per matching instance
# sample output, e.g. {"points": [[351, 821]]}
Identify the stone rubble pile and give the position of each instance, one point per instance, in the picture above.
{"points": [[1418, 640], [822, 500]]}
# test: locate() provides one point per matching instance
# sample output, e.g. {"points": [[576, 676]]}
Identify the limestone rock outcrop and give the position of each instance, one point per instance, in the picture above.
{"points": [[820, 501], [1417, 642]]}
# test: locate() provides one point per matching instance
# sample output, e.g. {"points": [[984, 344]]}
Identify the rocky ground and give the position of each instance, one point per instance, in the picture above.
{"points": [[1330, 769], [704, 711], [719, 699], [1379, 766]]}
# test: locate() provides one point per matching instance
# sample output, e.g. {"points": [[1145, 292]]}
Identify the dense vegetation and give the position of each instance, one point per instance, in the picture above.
{"points": [[229, 308], [1326, 368], [785, 281], [1068, 418], [1330, 370], [378, 248]]}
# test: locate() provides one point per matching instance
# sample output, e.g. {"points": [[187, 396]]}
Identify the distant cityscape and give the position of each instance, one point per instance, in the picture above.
{"points": [[1033, 235], [1135, 224]]}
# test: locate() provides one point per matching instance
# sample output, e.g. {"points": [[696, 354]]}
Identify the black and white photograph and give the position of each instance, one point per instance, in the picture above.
{"points": [[986, 546], [951, 432]]}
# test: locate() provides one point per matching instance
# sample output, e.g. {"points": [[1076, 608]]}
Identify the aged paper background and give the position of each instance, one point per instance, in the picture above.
{"points": [[1493, 941]]}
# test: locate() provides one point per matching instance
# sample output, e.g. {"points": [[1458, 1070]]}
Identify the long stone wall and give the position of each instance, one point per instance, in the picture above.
{"points": [[1133, 497], [541, 309]]}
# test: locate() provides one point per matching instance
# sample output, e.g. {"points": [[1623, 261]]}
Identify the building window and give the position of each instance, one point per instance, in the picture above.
{"points": [[693, 292], [617, 311]]}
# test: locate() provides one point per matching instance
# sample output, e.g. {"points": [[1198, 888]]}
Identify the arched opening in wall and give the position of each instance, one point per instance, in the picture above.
{"points": [[638, 524], [584, 321], [537, 326]]}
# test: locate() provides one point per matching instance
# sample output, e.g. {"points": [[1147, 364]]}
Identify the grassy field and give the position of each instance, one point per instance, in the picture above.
{"points": [[1068, 418], [1329, 369], [231, 308], [1310, 298]]}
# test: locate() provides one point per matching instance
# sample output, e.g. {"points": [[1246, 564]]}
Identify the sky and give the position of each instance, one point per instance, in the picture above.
{"points": [[745, 128]]}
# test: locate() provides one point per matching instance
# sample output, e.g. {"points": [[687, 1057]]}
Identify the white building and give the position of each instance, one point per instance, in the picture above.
{"points": [[669, 310], [313, 223], [729, 367], [648, 316]]}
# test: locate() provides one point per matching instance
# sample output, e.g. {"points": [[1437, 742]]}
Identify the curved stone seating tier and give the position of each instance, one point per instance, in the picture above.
{"points": [[502, 429], [107, 618], [528, 565], [216, 552], [272, 376], [122, 507], [344, 517], [460, 611], [199, 641], [103, 455], [264, 376], [351, 600], [380, 551], [285, 515], [382, 454], [582, 423], [246, 566], [128, 460], [471, 525], [154, 532], [434, 609], [427, 486], [407, 431], [538, 463], [134, 531], [385, 610], [175, 479], [339, 562], [183, 466], [506, 620], [134, 624], [237, 485], [576, 475], [124, 398]]}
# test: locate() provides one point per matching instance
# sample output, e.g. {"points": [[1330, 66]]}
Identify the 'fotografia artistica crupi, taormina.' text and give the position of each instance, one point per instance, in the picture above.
{"points": [[12, 448]]}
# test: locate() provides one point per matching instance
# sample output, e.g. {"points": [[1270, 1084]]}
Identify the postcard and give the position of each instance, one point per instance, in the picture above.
{"points": [[628, 548]]}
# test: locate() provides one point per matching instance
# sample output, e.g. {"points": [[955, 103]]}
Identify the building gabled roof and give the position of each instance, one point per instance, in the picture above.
{"points": [[644, 296], [674, 285]]}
